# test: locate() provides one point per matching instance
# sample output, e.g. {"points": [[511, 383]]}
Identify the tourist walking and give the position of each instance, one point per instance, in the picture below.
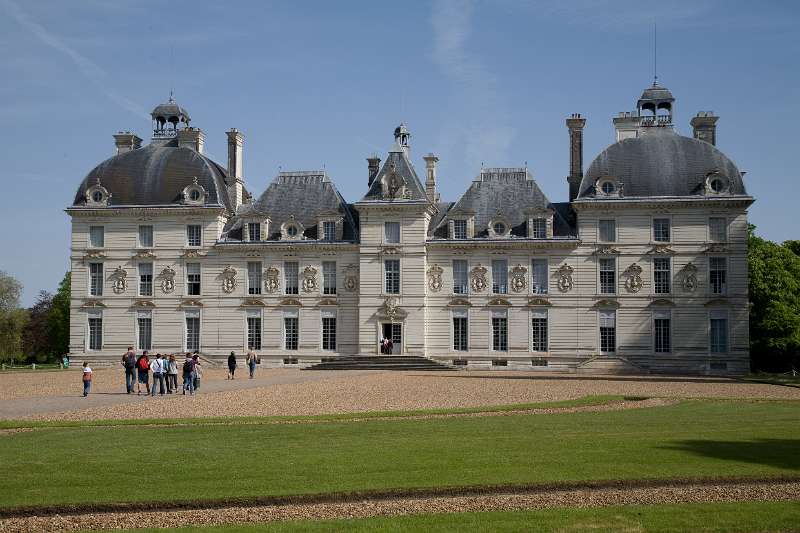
{"points": [[188, 374], [172, 374], [87, 379], [231, 365], [252, 361], [129, 363], [198, 371], [143, 372], [157, 366]]}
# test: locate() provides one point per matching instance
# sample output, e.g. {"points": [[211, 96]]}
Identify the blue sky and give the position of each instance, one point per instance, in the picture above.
{"points": [[315, 84]]}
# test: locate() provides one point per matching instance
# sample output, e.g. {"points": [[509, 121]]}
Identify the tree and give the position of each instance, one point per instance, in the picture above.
{"points": [[12, 318], [36, 337], [59, 317], [10, 291]]}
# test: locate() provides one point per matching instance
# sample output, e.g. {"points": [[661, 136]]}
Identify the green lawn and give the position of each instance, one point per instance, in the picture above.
{"points": [[115, 464], [776, 379], [689, 518]]}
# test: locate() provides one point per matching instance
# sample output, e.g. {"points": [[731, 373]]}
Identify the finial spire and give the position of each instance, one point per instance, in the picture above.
{"points": [[171, 99], [655, 53]]}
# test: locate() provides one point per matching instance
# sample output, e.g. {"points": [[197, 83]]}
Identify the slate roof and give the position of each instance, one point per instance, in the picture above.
{"points": [[397, 161], [661, 163], [656, 92], [156, 175]]}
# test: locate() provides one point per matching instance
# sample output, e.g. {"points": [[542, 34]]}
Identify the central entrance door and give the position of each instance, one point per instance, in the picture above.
{"points": [[394, 332]]}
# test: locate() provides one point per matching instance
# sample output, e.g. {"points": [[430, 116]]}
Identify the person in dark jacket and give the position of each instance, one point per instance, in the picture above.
{"points": [[231, 365], [129, 364]]}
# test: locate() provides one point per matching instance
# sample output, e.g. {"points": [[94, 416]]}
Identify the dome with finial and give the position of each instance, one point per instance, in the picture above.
{"points": [[169, 113]]}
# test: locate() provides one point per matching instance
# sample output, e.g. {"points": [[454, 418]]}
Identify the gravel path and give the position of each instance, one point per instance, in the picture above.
{"points": [[664, 494]]}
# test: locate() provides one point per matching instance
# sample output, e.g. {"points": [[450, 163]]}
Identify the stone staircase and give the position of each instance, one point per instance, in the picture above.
{"points": [[604, 364], [380, 362]]}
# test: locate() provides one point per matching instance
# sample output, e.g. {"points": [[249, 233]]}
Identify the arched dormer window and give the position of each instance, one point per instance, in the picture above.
{"points": [[194, 194], [608, 187], [97, 195], [499, 227], [716, 183], [292, 230]]}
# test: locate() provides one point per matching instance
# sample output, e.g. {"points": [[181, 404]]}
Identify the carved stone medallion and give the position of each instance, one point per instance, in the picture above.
{"points": [[435, 278], [565, 282], [519, 278], [689, 277], [167, 277], [119, 281], [351, 278], [229, 279], [309, 279], [272, 280], [633, 281], [478, 280]]}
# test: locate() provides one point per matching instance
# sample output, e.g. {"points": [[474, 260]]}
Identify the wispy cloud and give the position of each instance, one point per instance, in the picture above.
{"points": [[91, 70]]}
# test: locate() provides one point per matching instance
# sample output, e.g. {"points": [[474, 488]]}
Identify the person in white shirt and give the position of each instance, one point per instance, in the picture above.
{"points": [[157, 367], [87, 379]]}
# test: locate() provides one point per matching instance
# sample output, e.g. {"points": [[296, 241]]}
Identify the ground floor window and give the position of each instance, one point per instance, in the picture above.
{"points": [[608, 331], [718, 331], [539, 330], [500, 331], [254, 329], [192, 331], [661, 332], [329, 330], [95, 327], [144, 330], [290, 330], [460, 331]]}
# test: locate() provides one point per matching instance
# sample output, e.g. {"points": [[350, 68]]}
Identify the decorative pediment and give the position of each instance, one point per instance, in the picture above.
{"points": [[143, 254], [191, 302], [459, 302], [253, 302], [252, 254], [389, 250], [606, 250], [633, 278], [192, 253], [143, 304], [93, 255], [717, 302], [328, 301], [660, 249], [565, 282], [92, 304], [435, 277], [293, 302], [607, 303], [662, 302], [715, 248], [391, 309], [393, 186], [229, 279], [119, 280], [495, 302], [538, 302]]}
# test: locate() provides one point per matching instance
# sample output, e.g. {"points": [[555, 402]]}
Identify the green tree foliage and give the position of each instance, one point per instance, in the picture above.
{"points": [[12, 318], [58, 320], [774, 272], [36, 339]]}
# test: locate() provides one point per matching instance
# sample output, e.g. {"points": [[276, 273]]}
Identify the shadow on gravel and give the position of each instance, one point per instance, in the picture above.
{"points": [[778, 453], [644, 379]]}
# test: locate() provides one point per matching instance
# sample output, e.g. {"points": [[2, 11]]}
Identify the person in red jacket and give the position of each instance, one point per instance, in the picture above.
{"points": [[143, 371]]}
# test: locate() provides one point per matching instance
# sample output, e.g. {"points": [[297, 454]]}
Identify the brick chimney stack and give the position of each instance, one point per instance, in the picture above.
{"points": [[126, 141], [374, 165], [575, 124], [704, 126], [430, 180], [235, 171]]}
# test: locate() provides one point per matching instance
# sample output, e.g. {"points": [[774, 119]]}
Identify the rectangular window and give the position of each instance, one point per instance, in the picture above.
{"points": [[145, 236], [192, 330], [499, 276], [329, 330], [254, 277], [96, 279], [253, 329], [145, 279], [193, 279], [329, 277], [608, 331], [392, 276], [539, 228], [661, 230], [194, 235], [717, 229], [460, 330], [97, 236], [662, 332], [718, 274], [499, 331], [662, 275], [144, 330], [539, 330], [290, 330], [329, 230], [460, 283], [718, 331], [291, 271], [391, 232], [254, 231], [539, 276], [608, 230], [608, 275], [95, 327], [460, 229]]}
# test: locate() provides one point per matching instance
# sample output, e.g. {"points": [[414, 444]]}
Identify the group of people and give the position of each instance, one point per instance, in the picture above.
{"points": [[165, 370], [387, 346]]}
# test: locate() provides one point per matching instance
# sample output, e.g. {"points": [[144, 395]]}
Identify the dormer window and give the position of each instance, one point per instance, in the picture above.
{"points": [[499, 228], [253, 231], [716, 183], [539, 228], [460, 229], [608, 186], [292, 230], [194, 194], [97, 196]]}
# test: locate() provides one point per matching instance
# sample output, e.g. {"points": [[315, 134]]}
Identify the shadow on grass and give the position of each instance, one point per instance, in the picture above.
{"points": [[778, 453]]}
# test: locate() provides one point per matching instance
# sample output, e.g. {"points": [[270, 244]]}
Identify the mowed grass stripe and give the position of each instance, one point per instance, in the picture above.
{"points": [[129, 464]]}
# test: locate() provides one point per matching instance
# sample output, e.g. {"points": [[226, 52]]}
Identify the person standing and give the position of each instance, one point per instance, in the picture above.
{"points": [[143, 372], [87, 379], [188, 374], [231, 365], [172, 374], [157, 366], [198, 371], [252, 358], [129, 363]]}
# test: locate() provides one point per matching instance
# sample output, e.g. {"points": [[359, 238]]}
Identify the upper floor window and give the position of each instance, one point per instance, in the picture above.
{"points": [[499, 276], [539, 228], [253, 277], [391, 232], [717, 229], [460, 282], [194, 235], [95, 279], [718, 274], [291, 271], [392, 276], [661, 230], [608, 230], [539, 276], [328, 277], [662, 275], [145, 279], [608, 275], [97, 237], [253, 231], [460, 229], [146, 236], [329, 230], [193, 279]]}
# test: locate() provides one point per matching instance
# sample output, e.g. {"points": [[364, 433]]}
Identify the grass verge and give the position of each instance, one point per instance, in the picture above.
{"points": [[786, 380]]}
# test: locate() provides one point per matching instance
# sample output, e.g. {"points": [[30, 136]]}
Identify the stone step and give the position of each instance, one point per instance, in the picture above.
{"points": [[609, 365], [387, 362]]}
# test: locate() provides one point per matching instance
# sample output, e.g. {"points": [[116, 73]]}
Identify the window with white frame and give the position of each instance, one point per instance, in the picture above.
{"points": [[192, 318], [329, 329], [460, 229], [608, 331], [194, 235], [145, 279], [608, 275], [97, 236], [291, 270], [291, 327], [661, 230], [539, 276], [254, 277], [608, 230], [95, 279], [391, 232], [95, 330], [329, 277], [329, 230], [539, 330], [146, 236], [460, 330], [718, 229], [662, 275], [391, 270], [662, 332], [460, 276], [718, 274], [253, 231], [500, 330], [718, 331], [254, 329], [499, 276], [539, 228], [144, 330], [193, 279]]}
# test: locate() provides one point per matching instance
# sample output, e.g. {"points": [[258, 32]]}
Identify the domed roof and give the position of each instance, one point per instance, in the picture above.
{"points": [[656, 92], [156, 175], [661, 163], [170, 112]]}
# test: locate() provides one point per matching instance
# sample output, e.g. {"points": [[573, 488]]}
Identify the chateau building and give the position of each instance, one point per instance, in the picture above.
{"points": [[644, 268]]}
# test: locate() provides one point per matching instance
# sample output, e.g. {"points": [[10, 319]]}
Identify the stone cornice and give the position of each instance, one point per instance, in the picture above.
{"points": [[283, 246], [494, 244], [138, 211], [661, 202]]}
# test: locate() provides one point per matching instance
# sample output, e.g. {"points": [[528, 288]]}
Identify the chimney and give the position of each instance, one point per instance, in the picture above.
{"points": [[704, 126], [126, 141], [430, 181], [374, 165], [235, 173], [575, 126], [193, 138]]}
